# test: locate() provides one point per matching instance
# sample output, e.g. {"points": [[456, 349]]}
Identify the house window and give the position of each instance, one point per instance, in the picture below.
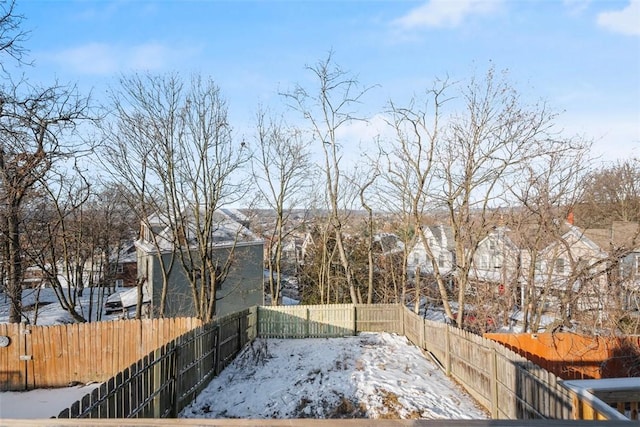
{"points": [[492, 244], [484, 261], [442, 260], [120, 268], [559, 267], [538, 266], [416, 259], [119, 283]]}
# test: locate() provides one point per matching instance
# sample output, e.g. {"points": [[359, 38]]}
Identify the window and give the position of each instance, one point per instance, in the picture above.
{"points": [[492, 244], [484, 261], [636, 266], [538, 266], [442, 260], [559, 266], [119, 283], [120, 268]]}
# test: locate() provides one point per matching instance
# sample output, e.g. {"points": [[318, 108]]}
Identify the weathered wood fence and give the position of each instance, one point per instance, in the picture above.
{"points": [[55, 356], [165, 381]]}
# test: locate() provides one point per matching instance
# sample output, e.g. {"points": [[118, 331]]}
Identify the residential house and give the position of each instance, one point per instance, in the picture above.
{"points": [[497, 260], [441, 243], [124, 267], [232, 241], [573, 263], [386, 244], [621, 242]]}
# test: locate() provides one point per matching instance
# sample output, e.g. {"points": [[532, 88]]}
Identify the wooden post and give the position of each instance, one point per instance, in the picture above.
{"points": [[494, 384], [175, 366], [306, 323], [576, 412], [157, 383], [447, 357], [423, 324], [217, 357]]}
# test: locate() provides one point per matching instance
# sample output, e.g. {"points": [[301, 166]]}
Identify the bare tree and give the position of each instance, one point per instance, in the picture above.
{"points": [[34, 126], [410, 174], [611, 193], [480, 156], [12, 36], [547, 189], [58, 239], [283, 172], [328, 108], [184, 167]]}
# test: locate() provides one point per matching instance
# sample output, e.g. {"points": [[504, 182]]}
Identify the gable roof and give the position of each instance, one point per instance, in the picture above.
{"points": [[621, 234], [443, 235], [230, 228]]}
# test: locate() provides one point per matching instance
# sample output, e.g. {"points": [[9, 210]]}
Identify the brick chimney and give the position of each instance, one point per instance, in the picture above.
{"points": [[570, 216]]}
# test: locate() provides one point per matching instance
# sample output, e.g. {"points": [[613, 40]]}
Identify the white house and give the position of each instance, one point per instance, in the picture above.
{"points": [[496, 259], [441, 244]]}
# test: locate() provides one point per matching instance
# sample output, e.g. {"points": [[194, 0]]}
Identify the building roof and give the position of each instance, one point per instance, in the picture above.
{"points": [[621, 234], [230, 228]]}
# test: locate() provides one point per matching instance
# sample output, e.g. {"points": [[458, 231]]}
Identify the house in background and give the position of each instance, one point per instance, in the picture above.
{"points": [[573, 264], [440, 239], [232, 241], [124, 267], [621, 242], [496, 261]]}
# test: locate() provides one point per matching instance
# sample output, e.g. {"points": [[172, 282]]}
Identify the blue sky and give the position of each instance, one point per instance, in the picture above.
{"points": [[582, 56]]}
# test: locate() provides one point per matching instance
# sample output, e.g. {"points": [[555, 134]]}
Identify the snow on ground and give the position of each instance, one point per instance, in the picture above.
{"points": [[40, 403], [367, 376], [43, 308]]}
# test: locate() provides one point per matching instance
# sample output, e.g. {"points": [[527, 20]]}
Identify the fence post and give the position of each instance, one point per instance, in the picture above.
{"points": [[306, 323], [494, 383], [423, 324], [157, 383], [447, 357], [355, 320], [217, 357], [174, 376]]}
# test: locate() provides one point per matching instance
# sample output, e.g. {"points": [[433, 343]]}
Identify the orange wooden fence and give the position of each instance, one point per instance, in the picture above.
{"points": [[571, 356], [55, 356]]}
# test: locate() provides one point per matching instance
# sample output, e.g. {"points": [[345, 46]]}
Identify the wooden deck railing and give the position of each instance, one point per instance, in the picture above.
{"points": [[606, 399]]}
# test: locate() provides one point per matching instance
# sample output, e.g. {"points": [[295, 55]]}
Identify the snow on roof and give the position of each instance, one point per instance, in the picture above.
{"points": [[230, 227]]}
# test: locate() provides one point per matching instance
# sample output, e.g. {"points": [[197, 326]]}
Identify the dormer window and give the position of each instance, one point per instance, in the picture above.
{"points": [[559, 266]]}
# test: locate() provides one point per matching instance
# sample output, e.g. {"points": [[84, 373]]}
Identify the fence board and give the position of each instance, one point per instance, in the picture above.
{"points": [[379, 318], [164, 381], [82, 352], [10, 368]]}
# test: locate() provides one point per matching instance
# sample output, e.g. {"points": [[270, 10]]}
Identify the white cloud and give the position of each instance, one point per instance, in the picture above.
{"points": [[150, 56], [92, 58], [576, 7], [104, 59], [625, 21], [445, 13]]}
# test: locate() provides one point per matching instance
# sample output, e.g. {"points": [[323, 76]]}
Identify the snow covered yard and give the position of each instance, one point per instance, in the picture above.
{"points": [[367, 376], [40, 403]]}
